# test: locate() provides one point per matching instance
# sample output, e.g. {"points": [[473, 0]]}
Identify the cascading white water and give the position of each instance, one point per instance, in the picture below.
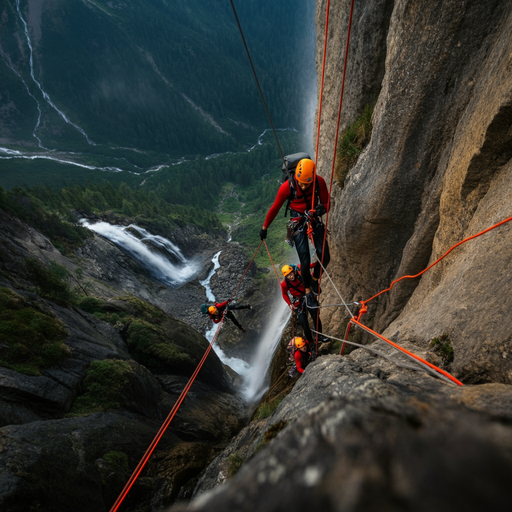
{"points": [[160, 266], [238, 365], [255, 374], [257, 380]]}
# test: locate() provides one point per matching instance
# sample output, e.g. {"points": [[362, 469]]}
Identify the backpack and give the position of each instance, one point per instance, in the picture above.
{"points": [[289, 165], [204, 308]]}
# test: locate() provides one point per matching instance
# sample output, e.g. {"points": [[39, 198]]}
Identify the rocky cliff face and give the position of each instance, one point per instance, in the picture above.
{"points": [[62, 446], [437, 170], [366, 431]]}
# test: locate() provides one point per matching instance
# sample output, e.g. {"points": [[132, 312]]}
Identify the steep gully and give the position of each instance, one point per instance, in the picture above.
{"points": [[166, 263]]}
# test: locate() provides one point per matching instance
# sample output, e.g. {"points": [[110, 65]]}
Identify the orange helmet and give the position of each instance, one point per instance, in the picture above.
{"points": [[287, 269], [299, 342], [212, 310], [305, 171]]}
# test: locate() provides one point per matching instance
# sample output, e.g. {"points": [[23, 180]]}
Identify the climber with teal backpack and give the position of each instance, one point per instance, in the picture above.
{"points": [[300, 185], [217, 311]]}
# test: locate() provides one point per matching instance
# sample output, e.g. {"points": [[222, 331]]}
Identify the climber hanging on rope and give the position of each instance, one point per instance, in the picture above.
{"points": [[305, 213], [299, 355], [294, 294], [216, 311]]}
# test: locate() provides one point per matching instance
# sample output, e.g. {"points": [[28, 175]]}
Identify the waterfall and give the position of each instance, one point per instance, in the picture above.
{"points": [[168, 264], [256, 375], [238, 365], [257, 380]]}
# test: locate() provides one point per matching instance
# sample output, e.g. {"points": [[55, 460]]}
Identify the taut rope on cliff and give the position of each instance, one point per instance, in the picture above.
{"points": [[174, 410]]}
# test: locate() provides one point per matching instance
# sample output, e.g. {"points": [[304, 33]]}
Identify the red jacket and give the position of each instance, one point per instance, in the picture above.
{"points": [[220, 309], [301, 203], [294, 288], [302, 359]]}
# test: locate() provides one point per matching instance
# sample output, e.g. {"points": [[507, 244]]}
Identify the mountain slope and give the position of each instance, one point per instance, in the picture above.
{"points": [[152, 75]]}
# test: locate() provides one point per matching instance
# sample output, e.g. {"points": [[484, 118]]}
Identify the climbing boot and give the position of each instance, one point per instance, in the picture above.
{"points": [[314, 286], [311, 301]]}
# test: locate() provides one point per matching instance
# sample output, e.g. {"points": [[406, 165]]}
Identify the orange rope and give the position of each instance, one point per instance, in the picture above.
{"points": [[438, 260], [323, 75], [163, 428], [176, 406], [337, 130], [446, 374], [273, 266], [246, 270]]}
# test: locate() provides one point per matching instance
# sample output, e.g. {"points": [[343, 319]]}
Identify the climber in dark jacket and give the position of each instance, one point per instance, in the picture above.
{"points": [[216, 311], [304, 209]]}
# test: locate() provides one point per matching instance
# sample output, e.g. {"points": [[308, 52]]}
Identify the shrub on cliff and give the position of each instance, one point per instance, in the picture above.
{"points": [[30, 339], [352, 142], [52, 282], [150, 346], [104, 385]]}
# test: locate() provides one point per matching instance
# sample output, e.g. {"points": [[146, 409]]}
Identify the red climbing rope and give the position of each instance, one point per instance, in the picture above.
{"points": [[246, 270], [438, 260], [322, 84], [176, 406], [335, 141], [410, 354], [337, 127], [163, 428]]}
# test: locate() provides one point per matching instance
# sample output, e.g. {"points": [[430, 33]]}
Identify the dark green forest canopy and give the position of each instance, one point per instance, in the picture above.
{"points": [[167, 78]]}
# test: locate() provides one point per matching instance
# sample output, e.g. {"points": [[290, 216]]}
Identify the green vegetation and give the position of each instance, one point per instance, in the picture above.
{"points": [[135, 77], [235, 463], [103, 387], [145, 329], [52, 282], [149, 345], [274, 430], [30, 339], [266, 409], [115, 462], [270, 434], [443, 347], [352, 142], [42, 213]]}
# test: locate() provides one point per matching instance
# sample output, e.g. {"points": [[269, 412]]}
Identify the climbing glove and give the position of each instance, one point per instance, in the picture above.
{"points": [[263, 234], [321, 210]]}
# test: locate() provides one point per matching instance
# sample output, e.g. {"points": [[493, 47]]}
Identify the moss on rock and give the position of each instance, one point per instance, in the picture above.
{"points": [[30, 338]]}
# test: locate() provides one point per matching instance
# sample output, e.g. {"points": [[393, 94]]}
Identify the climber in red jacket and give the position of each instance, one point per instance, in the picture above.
{"points": [[216, 311], [302, 354], [304, 210], [293, 291]]}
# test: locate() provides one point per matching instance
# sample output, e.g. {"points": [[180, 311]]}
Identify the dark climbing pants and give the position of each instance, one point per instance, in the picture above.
{"points": [[302, 246], [302, 316], [232, 317]]}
